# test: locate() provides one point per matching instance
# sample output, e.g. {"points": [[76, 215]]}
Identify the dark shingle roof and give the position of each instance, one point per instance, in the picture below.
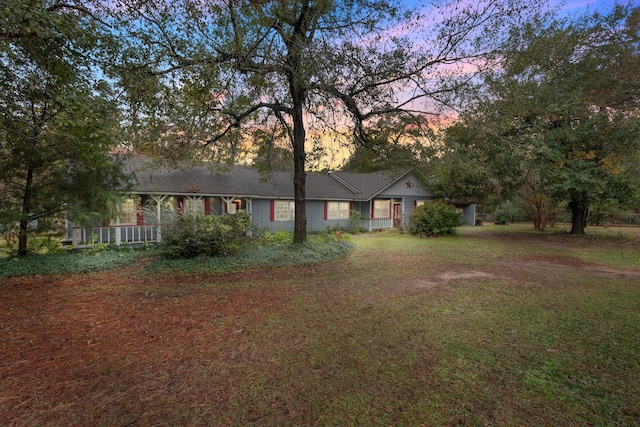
{"points": [[154, 177]]}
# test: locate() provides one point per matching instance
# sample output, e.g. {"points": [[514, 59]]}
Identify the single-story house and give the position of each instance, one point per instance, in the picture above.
{"points": [[378, 200]]}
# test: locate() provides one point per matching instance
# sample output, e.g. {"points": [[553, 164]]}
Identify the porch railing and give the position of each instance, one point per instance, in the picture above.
{"points": [[376, 223], [115, 235]]}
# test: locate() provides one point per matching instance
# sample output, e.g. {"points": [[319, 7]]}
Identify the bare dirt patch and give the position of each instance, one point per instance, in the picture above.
{"points": [[451, 276], [552, 267]]}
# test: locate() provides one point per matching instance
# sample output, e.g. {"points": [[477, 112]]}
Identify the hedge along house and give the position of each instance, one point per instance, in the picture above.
{"points": [[371, 201]]}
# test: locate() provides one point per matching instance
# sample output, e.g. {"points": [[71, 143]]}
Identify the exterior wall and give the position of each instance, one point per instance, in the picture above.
{"points": [[363, 208], [409, 205], [409, 186], [468, 215], [407, 191], [315, 217], [261, 217]]}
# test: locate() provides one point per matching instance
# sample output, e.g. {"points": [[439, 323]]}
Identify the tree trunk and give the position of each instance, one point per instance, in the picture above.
{"points": [[24, 217], [299, 160], [578, 217]]}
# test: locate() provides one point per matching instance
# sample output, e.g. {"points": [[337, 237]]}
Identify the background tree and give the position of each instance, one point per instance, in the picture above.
{"points": [[397, 145], [56, 123], [322, 66], [564, 108]]}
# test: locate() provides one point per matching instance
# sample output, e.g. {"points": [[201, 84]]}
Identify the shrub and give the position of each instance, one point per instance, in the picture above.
{"points": [[279, 237], [354, 223], [193, 235], [434, 219]]}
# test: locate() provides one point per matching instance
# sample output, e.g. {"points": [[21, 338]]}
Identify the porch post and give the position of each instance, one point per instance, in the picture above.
{"points": [[249, 207], [227, 201], [117, 231], [159, 219], [402, 214], [249, 202], [158, 200]]}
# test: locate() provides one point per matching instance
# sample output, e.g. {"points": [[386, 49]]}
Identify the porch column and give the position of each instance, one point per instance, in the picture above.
{"points": [[249, 206], [227, 201], [249, 202], [402, 214], [117, 231], [158, 200]]}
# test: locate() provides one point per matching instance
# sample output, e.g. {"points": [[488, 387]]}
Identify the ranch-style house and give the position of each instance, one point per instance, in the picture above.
{"points": [[377, 200]]}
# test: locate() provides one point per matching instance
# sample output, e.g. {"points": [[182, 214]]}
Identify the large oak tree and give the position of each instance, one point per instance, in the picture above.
{"points": [[200, 73]]}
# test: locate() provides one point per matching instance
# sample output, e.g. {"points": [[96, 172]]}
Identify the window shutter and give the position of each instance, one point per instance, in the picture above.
{"points": [[272, 211], [139, 214], [326, 210], [207, 206]]}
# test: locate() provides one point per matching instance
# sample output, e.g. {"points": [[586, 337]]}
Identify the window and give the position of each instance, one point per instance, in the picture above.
{"points": [[338, 210], [419, 203], [284, 210], [382, 208], [128, 214], [232, 207], [192, 205]]}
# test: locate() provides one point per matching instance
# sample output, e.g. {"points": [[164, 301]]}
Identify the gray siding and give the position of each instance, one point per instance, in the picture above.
{"points": [[364, 208], [468, 215], [261, 217], [409, 186], [315, 217]]}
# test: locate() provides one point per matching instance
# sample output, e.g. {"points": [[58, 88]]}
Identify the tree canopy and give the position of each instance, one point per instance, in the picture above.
{"points": [[56, 121], [561, 116]]}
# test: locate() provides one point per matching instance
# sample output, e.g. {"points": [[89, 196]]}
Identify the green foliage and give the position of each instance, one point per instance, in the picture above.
{"points": [[560, 109], [279, 237], [354, 223], [211, 235], [506, 212], [68, 263], [434, 219], [271, 250], [57, 121]]}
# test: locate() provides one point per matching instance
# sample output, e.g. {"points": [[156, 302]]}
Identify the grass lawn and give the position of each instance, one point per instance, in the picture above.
{"points": [[496, 326]]}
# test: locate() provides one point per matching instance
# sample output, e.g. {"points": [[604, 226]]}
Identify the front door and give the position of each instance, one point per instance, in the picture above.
{"points": [[397, 214]]}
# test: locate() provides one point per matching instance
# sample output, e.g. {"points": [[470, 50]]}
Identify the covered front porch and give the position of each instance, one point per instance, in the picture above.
{"points": [[140, 218]]}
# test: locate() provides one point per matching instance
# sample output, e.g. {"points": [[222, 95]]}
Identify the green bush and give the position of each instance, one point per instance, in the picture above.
{"points": [[434, 219], [272, 250], [193, 235]]}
